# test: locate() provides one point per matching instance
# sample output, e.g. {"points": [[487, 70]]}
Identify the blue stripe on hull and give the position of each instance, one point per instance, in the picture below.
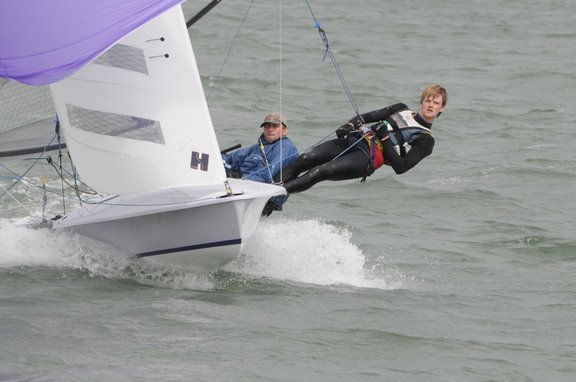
{"points": [[190, 248]]}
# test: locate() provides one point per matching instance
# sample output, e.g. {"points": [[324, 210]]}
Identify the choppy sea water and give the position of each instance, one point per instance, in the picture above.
{"points": [[459, 270]]}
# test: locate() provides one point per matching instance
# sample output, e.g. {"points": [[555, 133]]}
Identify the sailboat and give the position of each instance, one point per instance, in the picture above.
{"points": [[132, 109]]}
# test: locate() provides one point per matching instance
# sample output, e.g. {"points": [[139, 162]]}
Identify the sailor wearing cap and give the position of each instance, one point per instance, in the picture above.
{"points": [[263, 161]]}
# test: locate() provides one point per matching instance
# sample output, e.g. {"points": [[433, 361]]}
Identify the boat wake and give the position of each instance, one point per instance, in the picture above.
{"points": [[307, 251], [22, 246], [282, 249]]}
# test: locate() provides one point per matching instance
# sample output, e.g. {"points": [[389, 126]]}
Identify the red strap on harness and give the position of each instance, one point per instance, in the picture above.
{"points": [[376, 156]]}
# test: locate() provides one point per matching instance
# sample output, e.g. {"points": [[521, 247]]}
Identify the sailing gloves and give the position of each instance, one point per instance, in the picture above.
{"points": [[381, 129], [344, 130], [355, 123]]}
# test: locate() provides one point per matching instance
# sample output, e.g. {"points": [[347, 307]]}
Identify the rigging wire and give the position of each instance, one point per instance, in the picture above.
{"points": [[280, 54], [60, 170], [230, 49], [266, 159], [280, 69], [330, 53], [279, 91], [60, 161], [7, 192], [21, 177]]}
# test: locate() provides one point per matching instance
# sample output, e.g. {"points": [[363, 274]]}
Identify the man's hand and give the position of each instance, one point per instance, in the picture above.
{"points": [[380, 129], [343, 130]]}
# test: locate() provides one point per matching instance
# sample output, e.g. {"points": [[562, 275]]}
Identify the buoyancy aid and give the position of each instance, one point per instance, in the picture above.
{"points": [[402, 128]]}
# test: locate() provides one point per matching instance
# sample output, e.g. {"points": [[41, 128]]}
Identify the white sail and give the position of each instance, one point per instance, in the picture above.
{"points": [[136, 118]]}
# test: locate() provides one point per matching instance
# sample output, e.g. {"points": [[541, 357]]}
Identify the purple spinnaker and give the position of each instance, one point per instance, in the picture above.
{"points": [[44, 41]]}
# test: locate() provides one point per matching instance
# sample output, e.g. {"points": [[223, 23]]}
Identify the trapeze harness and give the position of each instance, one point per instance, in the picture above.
{"points": [[402, 128]]}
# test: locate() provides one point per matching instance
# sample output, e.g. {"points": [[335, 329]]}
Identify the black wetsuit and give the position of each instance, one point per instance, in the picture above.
{"points": [[345, 158]]}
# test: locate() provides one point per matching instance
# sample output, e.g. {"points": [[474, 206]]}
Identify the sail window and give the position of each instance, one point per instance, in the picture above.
{"points": [[124, 57], [116, 125], [27, 119]]}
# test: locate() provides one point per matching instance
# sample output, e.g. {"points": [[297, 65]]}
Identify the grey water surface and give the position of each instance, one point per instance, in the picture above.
{"points": [[461, 269]]}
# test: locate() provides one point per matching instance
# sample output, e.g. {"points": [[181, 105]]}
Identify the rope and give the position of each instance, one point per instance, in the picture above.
{"points": [[280, 93], [59, 170], [266, 158], [230, 49], [268, 165], [6, 191], [340, 74], [60, 160], [329, 53], [74, 186], [280, 58], [21, 177], [351, 146]]}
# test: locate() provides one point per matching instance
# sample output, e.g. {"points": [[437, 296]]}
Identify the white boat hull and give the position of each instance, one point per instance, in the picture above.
{"points": [[197, 228]]}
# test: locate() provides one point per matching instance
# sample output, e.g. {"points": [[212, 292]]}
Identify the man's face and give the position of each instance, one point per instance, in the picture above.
{"points": [[273, 132], [431, 107]]}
